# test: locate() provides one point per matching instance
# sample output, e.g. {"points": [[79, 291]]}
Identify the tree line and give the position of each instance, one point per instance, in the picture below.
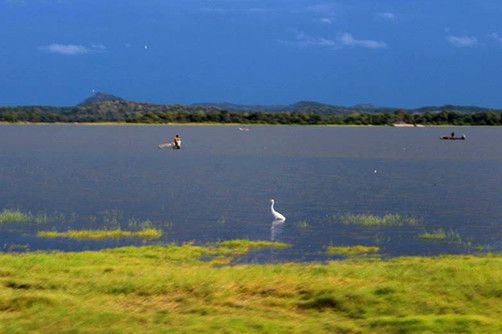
{"points": [[183, 114]]}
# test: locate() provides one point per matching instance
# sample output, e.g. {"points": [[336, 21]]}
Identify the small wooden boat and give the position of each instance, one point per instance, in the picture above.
{"points": [[452, 138]]}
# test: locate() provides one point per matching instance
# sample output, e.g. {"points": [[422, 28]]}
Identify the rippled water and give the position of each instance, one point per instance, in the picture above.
{"points": [[219, 185]]}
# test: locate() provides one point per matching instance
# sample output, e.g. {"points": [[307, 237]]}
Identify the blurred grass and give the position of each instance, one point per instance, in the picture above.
{"points": [[189, 289], [147, 233], [372, 220], [350, 250], [17, 216]]}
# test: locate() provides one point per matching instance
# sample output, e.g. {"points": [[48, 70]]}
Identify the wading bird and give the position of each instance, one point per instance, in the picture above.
{"points": [[277, 215]]}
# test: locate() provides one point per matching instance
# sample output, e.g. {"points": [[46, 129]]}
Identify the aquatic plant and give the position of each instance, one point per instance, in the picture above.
{"points": [[221, 221], [14, 216], [453, 237], [450, 236], [174, 289], [138, 223], [351, 250], [17, 216], [436, 235], [148, 233], [17, 248], [303, 225], [372, 220]]}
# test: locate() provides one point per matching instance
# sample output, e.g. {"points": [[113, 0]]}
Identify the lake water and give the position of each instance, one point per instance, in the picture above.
{"points": [[219, 185]]}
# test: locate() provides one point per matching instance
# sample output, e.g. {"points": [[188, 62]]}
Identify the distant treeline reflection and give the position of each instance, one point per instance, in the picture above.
{"points": [[182, 114]]}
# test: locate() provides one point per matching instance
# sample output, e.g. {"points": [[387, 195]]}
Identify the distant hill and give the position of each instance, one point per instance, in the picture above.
{"points": [[103, 107], [99, 97], [309, 107], [101, 101]]}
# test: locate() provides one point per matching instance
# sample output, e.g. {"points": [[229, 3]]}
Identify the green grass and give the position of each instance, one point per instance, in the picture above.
{"points": [[185, 289], [147, 233], [351, 250], [14, 216], [453, 237], [303, 225], [372, 220], [17, 216], [436, 235]]}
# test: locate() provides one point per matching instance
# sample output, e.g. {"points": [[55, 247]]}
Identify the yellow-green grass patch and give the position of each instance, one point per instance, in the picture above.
{"points": [[373, 220], [148, 233], [17, 216], [174, 289], [351, 250]]}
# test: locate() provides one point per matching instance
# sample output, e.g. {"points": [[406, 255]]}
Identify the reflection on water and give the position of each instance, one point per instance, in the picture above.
{"points": [[276, 230], [217, 187]]}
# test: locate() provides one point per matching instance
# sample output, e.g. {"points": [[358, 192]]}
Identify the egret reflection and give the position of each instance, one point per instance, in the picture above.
{"points": [[276, 230]]}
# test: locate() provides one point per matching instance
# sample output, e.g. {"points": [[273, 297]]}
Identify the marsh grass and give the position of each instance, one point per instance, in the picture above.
{"points": [[303, 225], [14, 216], [372, 220], [17, 216], [147, 233], [435, 235], [221, 221], [452, 237], [351, 250], [174, 289]]}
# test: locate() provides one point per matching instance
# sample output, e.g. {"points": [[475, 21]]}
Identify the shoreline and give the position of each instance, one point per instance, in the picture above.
{"points": [[236, 124]]}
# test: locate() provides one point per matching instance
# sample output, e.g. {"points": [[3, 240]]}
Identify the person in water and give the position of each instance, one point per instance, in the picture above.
{"points": [[453, 135], [177, 142]]}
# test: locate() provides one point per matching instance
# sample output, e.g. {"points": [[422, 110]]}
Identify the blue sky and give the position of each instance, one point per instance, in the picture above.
{"points": [[388, 53]]}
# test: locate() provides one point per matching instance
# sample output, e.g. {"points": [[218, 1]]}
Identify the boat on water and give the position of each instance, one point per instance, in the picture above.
{"points": [[452, 138]]}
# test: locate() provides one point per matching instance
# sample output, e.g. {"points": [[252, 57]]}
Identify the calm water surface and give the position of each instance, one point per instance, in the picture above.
{"points": [[219, 185]]}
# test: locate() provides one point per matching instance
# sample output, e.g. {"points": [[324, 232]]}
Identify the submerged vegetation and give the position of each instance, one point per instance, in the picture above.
{"points": [[372, 220], [351, 250], [147, 233], [186, 289], [452, 237], [16, 216], [13, 216], [303, 225], [436, 235]]}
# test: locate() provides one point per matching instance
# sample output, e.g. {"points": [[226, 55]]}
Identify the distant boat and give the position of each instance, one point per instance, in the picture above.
{"points": [[245, 129], [453, 138]]}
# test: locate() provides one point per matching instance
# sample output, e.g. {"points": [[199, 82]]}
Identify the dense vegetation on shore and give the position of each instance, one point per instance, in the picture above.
{"points": [[193, 289], [131, 112]]}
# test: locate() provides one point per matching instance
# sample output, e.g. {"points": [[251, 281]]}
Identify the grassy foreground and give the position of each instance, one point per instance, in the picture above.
{"points": [[192, 289]]}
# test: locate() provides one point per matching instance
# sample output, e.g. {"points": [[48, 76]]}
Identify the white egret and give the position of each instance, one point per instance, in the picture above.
{"points": [[277, 215]]}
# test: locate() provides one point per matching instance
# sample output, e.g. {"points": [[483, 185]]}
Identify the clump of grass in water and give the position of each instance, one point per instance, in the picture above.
{"points": [[436, 235], [133, 222], [440, 235], [372, 220], [14, 216], [148, 233], [452, 237], [351, 250], [303, 225], [17, 216]]}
